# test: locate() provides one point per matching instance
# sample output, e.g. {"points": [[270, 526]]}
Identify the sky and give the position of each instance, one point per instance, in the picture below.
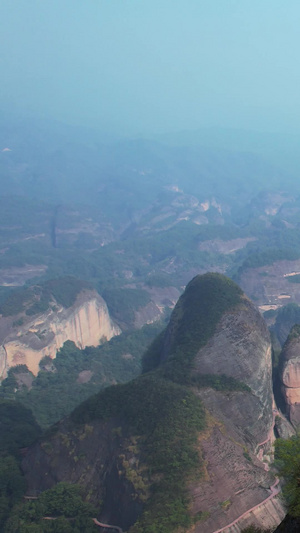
{"points": [[153, 66]]}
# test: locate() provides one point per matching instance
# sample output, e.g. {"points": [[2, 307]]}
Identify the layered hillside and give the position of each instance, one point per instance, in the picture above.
{"points": [[184, 446], [42, 321]]}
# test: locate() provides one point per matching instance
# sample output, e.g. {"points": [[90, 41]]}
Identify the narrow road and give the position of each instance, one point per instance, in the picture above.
{"points": [[108, 526], [96, 522]]}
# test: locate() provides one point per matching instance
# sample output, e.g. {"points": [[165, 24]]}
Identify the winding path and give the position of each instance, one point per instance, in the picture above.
{"points": [[96, 522], [108, 526]]}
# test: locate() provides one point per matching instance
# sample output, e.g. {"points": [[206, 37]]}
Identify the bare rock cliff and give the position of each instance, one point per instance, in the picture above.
{"points": [[290, 375], [240, 348], [217, 346], [85, 323], [237, 445]]}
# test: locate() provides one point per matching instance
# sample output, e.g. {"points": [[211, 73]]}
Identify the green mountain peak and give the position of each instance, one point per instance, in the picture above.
{"points": [[193, 322]]}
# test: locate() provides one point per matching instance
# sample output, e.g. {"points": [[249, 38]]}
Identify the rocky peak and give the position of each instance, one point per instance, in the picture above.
{"points": [[197, 313], [216, 351], [85, 323]]}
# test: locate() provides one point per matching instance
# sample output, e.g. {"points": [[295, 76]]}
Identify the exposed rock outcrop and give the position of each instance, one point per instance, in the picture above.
{"points": [[290, 374], [85, 323], [241, 422], [283, 428], [241, 348], [92, 455], [217, 346], [270, 512]]}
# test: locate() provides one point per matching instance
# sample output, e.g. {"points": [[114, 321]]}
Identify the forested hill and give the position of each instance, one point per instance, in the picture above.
{"points": [[147, 430]]}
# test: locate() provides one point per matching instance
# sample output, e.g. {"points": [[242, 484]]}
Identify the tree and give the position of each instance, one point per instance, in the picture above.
{"points": [[58, 510], [287, 462]]}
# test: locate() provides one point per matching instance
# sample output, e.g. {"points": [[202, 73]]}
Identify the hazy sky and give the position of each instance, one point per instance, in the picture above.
{"points": [[153, 65]]}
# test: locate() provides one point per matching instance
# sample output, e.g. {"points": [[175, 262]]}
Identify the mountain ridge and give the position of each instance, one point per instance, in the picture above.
{"points": [[151, 460]]}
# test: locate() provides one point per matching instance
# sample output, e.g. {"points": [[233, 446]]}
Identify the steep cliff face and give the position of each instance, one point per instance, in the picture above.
{"points": [[94, 456], [241, 348], [235, 448], [235, 342], [216, 349], [85, 323], [290, 374]]}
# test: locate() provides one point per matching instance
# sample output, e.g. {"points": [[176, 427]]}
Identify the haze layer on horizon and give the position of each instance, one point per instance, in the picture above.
{"points": [[140, 67]]}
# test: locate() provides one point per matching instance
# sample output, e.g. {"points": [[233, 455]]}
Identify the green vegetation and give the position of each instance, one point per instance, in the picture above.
{"points": [[62, 504], [146, 253], [106, 267], [36, 299], [190, 327], [15, 302], [122, 303], [271, 313], [162, 410], [116, 361], [247, 456], [224, 233], [289, 312], [269, 256], [18, 427], [276, 243], [287, 462], [158, 406], [286, 317], [167, 417], [294, 279], [160, 279], [12, 486], [65, 290], [220, 382], [192, 324], [294, 333], [152, 357]]}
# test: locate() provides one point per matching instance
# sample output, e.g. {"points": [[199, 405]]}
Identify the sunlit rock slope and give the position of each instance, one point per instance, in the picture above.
{"points": [[85, 323], [290, 374], [185, 447]]}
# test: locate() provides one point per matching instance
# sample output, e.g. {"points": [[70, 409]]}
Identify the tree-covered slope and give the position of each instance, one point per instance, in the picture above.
{"points": [[194, 320], [74, 375], [18, 429], [143, 436]]}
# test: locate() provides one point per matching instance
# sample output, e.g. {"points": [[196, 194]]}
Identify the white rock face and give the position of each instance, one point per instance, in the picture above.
{"points": [[3, 361], [85, 323]]}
